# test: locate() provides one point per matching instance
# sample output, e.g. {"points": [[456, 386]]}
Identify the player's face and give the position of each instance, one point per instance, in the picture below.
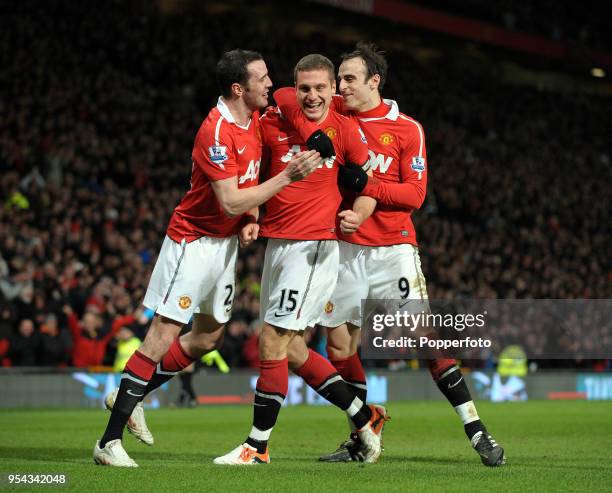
{"points": [[258, 86], [314, 92], [355, 88]]}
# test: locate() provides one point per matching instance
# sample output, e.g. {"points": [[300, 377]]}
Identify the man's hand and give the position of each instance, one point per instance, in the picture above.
{"points": [[302, 164], [352, 177], [321, 143], [248, 234], [350, 221]]}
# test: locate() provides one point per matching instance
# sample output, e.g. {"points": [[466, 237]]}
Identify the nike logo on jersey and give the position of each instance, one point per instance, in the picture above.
{"points": [[450, 386], [129, 391], [281, 139], [240, 151]]}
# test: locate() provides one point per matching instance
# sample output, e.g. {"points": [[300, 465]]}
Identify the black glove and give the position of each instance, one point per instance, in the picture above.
{"points": [[321, 143], [352, 177]]}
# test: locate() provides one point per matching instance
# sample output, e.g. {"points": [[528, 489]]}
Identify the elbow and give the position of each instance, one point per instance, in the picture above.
{"points": [[231, 211], [229, 206]]}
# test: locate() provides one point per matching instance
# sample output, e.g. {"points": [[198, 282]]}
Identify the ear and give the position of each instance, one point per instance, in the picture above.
{"points": [[237, 89], [333, 87], [374, 82]]}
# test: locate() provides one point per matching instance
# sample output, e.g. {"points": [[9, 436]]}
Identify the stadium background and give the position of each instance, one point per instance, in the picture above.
{"points": [[100, 105]]}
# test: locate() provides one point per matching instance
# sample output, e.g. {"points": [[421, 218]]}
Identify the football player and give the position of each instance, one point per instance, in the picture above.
{"points": [[381, 259], [301, 264]]}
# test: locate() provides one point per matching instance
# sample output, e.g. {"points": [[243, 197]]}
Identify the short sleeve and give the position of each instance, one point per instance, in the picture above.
{"points": [[214, 152]]}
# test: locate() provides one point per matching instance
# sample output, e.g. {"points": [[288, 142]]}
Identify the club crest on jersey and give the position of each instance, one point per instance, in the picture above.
{"points": [[329, 307], [363, 137], [331, 132], [418, 164], [386, 139], [184, 302], [218, 154]]}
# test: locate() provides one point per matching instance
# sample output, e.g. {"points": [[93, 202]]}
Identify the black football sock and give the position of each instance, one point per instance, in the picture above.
{"points": [[134, 380], [452, 384]]}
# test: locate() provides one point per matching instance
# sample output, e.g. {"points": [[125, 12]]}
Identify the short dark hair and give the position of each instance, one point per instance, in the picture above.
{"points": [[232, 68], [315, 61], [374, 59]]}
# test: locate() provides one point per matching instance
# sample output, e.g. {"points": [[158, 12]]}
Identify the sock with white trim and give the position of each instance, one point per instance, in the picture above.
{"points": [[134, 380], [319, 374], [351, 370], [451, 383], [270, 393], [175, 360]]}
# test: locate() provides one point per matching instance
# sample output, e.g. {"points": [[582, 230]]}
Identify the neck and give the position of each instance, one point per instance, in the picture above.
{"points": [[240, 111], [323, 117], [372, 103]]}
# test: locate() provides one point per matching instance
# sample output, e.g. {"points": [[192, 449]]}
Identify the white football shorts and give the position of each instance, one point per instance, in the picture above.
{"points": [[196, 277], [383, 272], [298, 279]]}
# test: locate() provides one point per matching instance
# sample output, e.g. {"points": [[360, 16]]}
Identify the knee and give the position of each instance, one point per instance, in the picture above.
{"points": [[343, 341], [159, 339], [339, 348], [335, 352], [297, 354], [206, 342], [273, 343]]}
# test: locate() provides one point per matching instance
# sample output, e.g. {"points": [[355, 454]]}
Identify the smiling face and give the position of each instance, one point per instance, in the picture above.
{"points": [[315, 89], [258, 86], [358, 92]]}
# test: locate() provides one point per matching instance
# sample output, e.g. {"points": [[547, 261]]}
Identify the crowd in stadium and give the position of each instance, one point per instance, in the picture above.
{"points": [[95, 143]]}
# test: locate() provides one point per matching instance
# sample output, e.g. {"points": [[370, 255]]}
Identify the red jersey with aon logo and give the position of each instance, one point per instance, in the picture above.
{"points": [[306, 209], [222, 149], [398, 160]]}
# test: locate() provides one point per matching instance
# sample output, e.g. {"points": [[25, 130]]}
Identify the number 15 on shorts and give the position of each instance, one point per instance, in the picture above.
{"points": [[288, 302]]}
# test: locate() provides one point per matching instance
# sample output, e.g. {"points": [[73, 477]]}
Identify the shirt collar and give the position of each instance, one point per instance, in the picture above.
{"points": [[227, 114], [393, 113]]}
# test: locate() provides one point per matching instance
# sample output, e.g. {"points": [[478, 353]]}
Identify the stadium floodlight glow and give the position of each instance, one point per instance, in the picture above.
{"points": [[598, 72]]}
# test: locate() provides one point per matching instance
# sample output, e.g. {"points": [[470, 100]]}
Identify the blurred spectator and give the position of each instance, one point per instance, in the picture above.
{"points": [[250, 350], [127, 344], [89, 344], [54, 350], [236, 332], [24, 345]]}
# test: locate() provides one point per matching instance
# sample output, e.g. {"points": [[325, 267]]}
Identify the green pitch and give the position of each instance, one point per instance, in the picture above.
{"points": [[550, 446]]}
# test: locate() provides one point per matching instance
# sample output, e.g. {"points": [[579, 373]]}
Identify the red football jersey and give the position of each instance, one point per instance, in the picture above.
{"points": [[222, 149], [306, 209], [398, 159]]}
